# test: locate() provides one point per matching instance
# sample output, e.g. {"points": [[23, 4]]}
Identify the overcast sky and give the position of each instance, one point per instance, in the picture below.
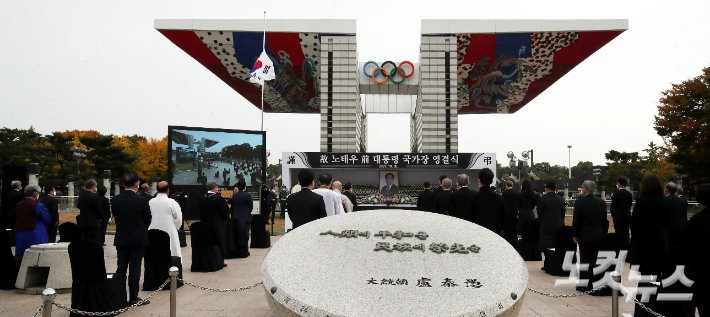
{"points": [[225, 139], [101, 65]]}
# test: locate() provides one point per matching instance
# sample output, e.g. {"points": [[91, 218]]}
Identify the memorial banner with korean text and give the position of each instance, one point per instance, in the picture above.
{"points": [[389, 160]]}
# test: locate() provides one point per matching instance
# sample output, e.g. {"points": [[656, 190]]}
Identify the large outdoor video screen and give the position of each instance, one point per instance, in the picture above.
{"points": [[198, 156]]}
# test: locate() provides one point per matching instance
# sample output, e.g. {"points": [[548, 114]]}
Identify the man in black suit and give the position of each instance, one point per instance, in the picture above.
{"points": [[587, 226], [551, 212], [348, 192], [91, 212], [621, 202], [305, 206], [511, 198], [442, 200], [678, 216], [441, 187], [145, 189], [214, 213], [425, 200], [459, 198], [241, 208], [133, 217], [486, 209], [53, 206], [14, 197]]}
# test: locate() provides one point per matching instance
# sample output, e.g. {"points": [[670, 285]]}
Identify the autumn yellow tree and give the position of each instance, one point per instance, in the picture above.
{"points": [[152, 158], [80, 133]]}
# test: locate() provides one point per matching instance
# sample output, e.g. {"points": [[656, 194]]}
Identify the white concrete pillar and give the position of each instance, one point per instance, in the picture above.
{"points": [[153, 188], [34, 179], [116, 189], [107, 184], [70, 189]]}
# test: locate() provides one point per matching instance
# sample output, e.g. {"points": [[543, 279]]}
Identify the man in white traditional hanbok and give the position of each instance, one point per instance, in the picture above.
{"points": [[167, 217]]}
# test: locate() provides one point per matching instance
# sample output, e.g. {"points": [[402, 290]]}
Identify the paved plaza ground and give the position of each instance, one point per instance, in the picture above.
{"points": [[252, 302]]}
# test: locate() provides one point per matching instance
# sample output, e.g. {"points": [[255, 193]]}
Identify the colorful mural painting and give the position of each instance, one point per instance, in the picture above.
{"points": [[496, 72], [500, 73], [231, 55]]}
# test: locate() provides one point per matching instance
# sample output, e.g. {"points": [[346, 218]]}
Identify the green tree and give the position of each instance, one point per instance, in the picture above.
{"points": [[622, 157], [657, 161], [581, 168], [19, 147], [104, 155], [273, 170], [616, 170], [503, 170], [684, 118], [59, 160]]}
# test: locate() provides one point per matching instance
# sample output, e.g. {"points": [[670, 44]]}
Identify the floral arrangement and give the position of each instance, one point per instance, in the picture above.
{"points": [[401, 199]]}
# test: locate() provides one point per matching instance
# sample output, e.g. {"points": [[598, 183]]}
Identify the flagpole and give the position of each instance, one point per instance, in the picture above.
{"points": [[263, 49]]}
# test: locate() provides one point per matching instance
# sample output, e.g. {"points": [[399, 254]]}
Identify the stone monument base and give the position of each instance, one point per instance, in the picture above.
{"points": [[45, 266], [393, 263]]}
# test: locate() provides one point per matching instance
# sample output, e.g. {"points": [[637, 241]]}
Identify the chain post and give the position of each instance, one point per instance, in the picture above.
{"points": [[48, 296], [614, 283], [174, 271]]}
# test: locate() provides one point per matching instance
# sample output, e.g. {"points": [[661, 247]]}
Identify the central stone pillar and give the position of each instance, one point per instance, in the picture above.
{"points": [[342, 118], [434, 124]]}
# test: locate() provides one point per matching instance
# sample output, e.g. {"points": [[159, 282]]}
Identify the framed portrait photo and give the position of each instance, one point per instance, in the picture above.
{"points": [[389, 183]]}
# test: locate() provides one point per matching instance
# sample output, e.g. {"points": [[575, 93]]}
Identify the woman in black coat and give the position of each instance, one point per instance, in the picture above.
{"points": [[648, 239], [649, 243], [526, 203]]}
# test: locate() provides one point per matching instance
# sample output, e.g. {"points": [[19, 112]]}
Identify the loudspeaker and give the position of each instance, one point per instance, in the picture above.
{"points": [[33, 168]]}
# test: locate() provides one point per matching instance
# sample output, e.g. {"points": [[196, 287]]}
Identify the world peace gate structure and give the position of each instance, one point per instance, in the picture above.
{"points": [[464, 67]]}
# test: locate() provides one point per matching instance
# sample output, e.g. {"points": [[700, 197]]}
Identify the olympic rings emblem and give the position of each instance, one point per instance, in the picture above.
{"points": [[388, 75]]}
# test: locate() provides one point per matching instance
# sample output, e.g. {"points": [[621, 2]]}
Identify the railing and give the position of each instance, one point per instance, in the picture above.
{"points": [[48, 296], [67, 203]]}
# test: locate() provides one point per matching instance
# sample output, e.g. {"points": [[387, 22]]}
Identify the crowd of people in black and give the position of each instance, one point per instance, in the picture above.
{"points": [[249, 169], [653, 229], [657, 225]]}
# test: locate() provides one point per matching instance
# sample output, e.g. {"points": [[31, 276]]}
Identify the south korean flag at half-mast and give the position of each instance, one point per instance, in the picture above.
{"points": [[262, 70]]}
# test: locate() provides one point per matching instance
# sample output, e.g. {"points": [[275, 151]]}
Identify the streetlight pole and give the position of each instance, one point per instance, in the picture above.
{"points": [[569, 162]]}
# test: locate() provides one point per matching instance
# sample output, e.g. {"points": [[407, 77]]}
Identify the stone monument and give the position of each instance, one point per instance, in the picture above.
{"points": [[45, 266], [393, 263]]}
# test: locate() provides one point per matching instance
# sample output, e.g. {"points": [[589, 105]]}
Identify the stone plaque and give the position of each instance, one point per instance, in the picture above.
{"points": [[393, 263]]}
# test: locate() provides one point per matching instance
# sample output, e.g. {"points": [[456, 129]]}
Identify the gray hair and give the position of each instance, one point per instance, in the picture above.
{"points": [[462, 180], [680, 191], [32, 190], [589, 186], [90, 184], [446, 183], [15, 184], [508, 184], [671, 187]]}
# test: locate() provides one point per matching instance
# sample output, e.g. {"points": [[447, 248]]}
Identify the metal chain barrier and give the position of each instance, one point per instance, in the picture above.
{"points": [[567, 295], [39, 311], [111, 313], [596, 290], [205, 288], [640, 303]]}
